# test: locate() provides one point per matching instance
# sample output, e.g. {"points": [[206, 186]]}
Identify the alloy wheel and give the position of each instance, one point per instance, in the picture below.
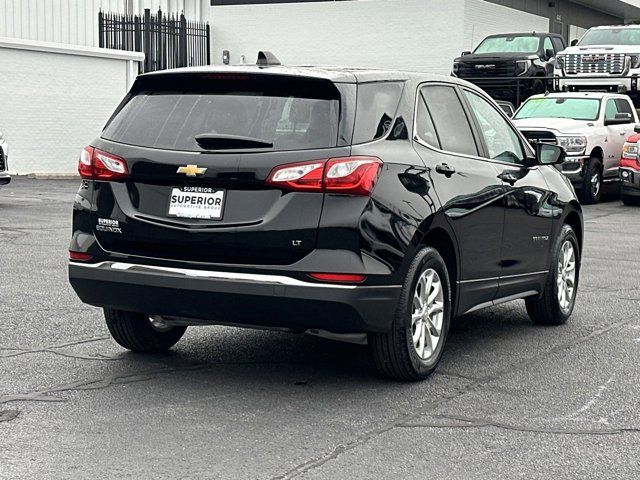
{"points": [[566, 276], [595, 184], [427, 314]]}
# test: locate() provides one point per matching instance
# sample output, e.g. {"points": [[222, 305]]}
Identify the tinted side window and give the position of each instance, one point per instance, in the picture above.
{"points": [[558, 44], [425, 129], [501, 140], [377, 105], [451, 123], [624, 107]]}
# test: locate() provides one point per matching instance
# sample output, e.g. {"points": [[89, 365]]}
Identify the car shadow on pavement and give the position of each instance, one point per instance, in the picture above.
{"points": [[217, 351]]}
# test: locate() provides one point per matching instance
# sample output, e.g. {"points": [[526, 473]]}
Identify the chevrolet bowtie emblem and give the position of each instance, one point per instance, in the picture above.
{"points": [[191, 170]]}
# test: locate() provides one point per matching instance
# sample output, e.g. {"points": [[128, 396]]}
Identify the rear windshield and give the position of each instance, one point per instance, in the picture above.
{"points": [[508, 45], [550, 107], [169, 111]]}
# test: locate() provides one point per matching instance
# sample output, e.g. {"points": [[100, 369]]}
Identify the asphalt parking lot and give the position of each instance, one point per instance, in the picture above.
{"points": [[509, 400]]}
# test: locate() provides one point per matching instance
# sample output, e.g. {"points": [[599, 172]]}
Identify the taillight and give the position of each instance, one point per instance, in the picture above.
{"points": [[349, 175], [95, 164], [79, 256], [338, 277], [298, 176]]}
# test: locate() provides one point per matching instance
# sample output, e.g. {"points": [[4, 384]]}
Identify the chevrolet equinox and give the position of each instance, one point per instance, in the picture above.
{"points": [[344, 201]]}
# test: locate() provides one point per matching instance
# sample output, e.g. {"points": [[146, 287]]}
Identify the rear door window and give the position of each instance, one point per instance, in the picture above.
{"points": [[167, 112], [450, 120], [376, 107]]}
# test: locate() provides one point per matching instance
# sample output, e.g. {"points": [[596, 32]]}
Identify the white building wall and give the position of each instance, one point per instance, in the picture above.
{"points": [[483, 18], [403, 34], [55, 99], [76, 21]]}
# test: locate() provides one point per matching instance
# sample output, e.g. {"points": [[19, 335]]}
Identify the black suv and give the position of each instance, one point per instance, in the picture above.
{"points": [[335, 201], [499, 59]]}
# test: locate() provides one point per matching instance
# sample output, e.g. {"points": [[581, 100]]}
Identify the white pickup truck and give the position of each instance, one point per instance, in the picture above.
{"points": [[605, 59], [591, 126]]}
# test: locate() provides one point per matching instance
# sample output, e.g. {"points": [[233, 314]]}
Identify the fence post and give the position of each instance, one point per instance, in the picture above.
{"points": [[182, 36], [208, 59], [100, 29], [146, 44]]}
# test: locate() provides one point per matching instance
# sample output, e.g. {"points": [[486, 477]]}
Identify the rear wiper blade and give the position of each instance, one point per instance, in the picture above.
{"points": [[217, 141]]}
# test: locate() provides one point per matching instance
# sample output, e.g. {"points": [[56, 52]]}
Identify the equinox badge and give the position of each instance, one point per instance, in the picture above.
{"points": [[191, 170]]}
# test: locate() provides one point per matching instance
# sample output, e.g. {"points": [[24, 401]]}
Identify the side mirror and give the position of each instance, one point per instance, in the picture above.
{"points": [[619, 119], [574, 42], [636, 129], [548, 154], [549, 53], [466, 52]]}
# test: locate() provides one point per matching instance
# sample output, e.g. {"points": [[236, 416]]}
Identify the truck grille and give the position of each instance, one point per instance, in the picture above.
{"points": [[544, 136], [3, 162], [487, 69], [597, 63]]}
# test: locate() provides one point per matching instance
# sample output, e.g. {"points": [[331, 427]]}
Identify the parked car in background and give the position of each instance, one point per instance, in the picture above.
{"points": [[507, 107], [498, 59], [630, 170], [605, 58], [591, 126], [274, 209], [4, 161]]}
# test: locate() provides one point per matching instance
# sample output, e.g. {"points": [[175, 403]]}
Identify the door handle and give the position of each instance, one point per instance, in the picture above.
{"points": [[622, 134], [446, 170], [508, 177]]}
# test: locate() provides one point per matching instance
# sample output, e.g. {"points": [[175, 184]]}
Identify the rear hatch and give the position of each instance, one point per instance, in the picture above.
{"points": [[198, 149]]}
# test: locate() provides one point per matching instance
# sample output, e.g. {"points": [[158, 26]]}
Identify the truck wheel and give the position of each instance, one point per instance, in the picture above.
{"points": [[592, 182], [412, 349], [555, 304], [538, 87], [140, 333]]}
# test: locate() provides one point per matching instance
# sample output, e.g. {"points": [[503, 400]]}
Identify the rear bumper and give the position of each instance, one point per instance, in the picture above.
{"points": [[235, 298], [4, 178]]}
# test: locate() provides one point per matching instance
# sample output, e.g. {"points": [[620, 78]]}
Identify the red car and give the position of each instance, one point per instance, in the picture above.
{"points": [[630, 170]]}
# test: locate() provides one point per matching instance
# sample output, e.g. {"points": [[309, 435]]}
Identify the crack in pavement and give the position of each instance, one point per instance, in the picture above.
{"points": [[407, 419], [470, 422], [17, 351]]}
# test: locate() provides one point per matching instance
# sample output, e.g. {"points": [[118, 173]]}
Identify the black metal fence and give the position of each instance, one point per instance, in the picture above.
{"points": [[168, 41], [517, 89]]}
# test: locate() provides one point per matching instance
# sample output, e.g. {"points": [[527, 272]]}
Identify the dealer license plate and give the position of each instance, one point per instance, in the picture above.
{"points": [[196, 202]]}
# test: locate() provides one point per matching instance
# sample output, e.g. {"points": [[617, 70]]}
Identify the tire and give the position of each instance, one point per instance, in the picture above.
{"points": [[136, 332], [538, 87], [547, 308], [630, 200], [394, 353], [592, 182]]}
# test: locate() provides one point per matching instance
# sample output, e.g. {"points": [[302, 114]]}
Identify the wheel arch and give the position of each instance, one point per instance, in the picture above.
{"points": [[444, 242], [574, 220], [597, 152]]}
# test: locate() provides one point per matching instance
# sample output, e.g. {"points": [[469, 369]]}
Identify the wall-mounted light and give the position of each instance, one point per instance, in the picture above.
{"points": [[225, 57]]}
